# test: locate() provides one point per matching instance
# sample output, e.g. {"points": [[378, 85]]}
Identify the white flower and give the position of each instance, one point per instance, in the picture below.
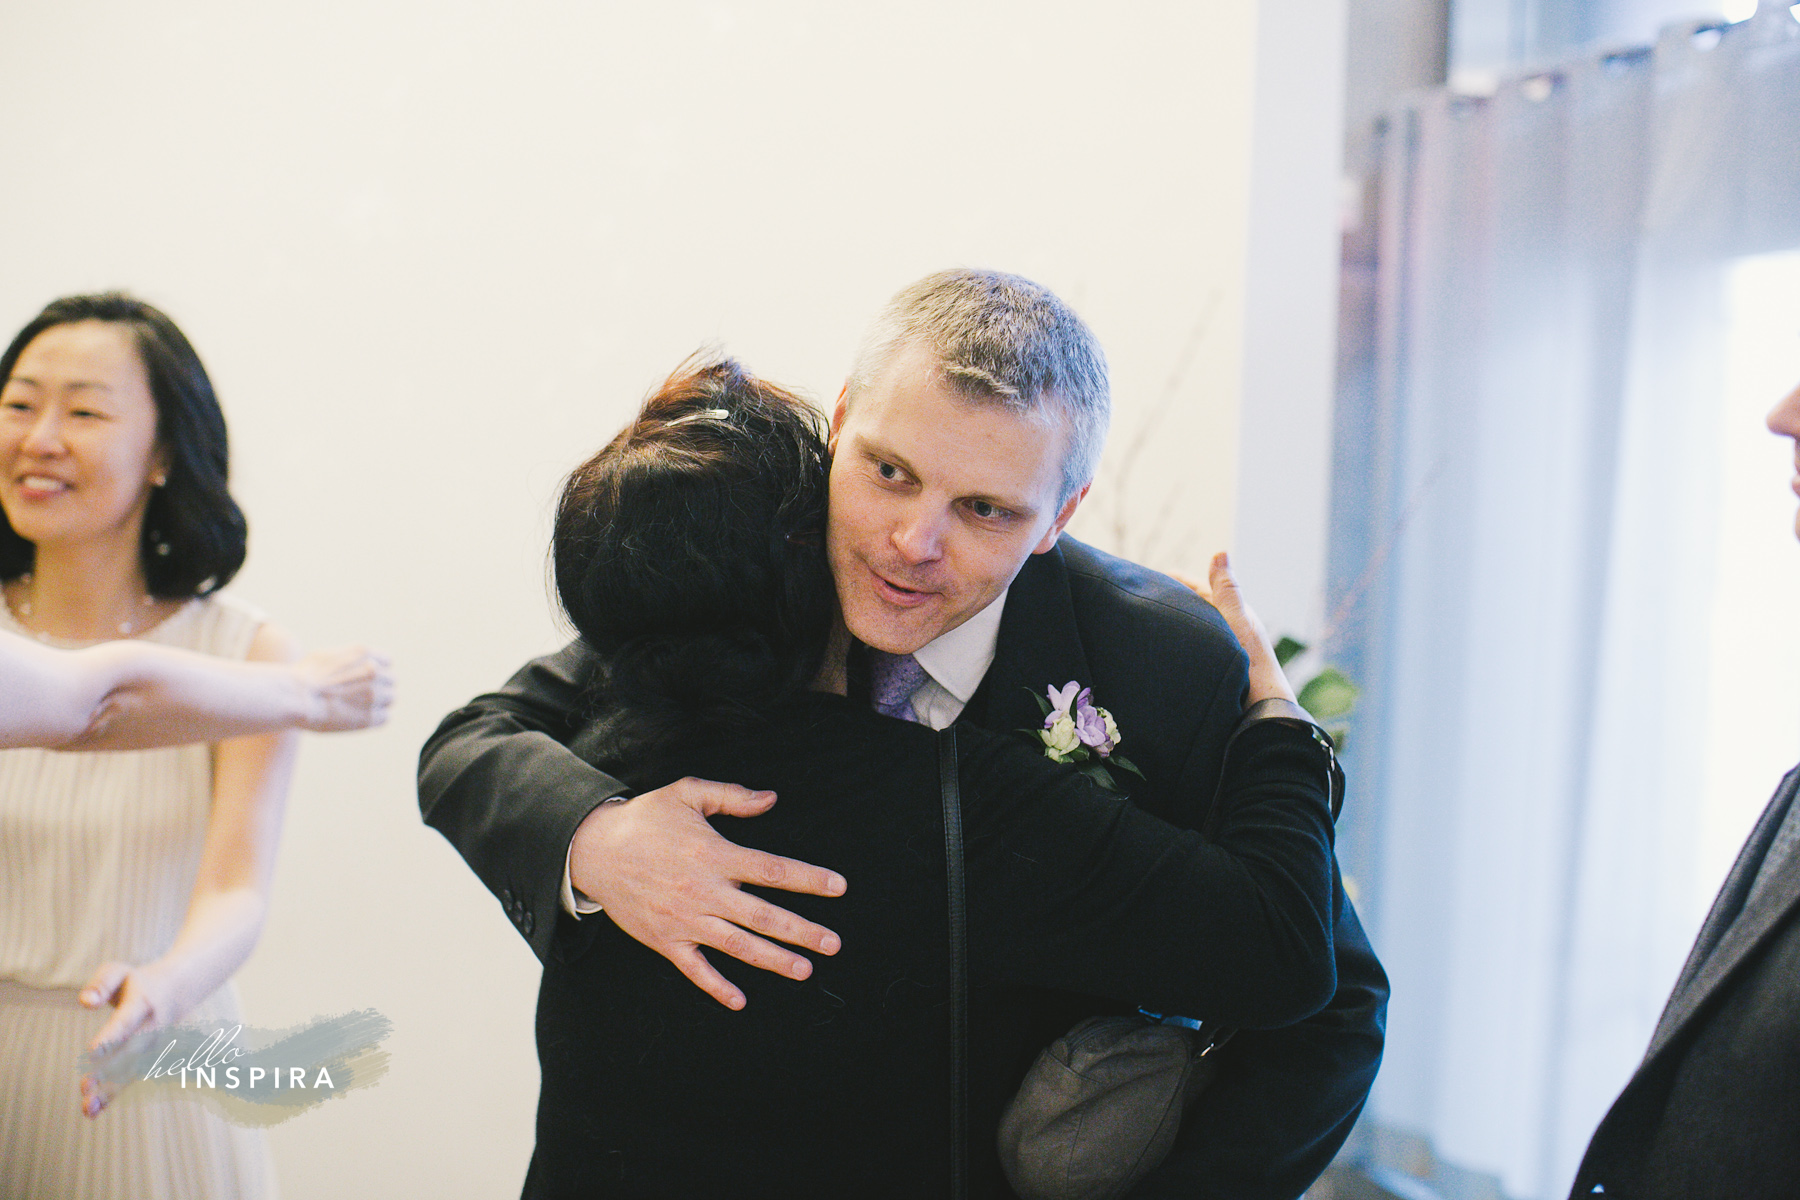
{"points": [[1061, 738]]}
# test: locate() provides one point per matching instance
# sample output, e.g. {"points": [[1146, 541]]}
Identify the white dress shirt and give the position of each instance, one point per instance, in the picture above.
{"points": [[955, 663]]}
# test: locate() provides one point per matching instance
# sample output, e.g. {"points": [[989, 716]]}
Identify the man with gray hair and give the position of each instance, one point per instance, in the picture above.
{"points": [[965, 437], [1003, 338]]}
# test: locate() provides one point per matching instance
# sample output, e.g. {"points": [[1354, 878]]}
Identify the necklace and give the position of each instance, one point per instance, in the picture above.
{"points": [[126, 627]]}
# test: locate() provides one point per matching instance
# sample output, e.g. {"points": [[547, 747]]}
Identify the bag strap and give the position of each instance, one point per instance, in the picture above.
{"points": [[959, 964]]}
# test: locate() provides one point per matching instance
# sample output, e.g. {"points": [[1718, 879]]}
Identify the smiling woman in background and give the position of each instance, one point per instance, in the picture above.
{"points": [[134, 880]]}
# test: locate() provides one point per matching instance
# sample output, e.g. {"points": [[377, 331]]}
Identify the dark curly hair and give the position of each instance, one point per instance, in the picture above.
{"points": [[193, 514], [690, 555]]}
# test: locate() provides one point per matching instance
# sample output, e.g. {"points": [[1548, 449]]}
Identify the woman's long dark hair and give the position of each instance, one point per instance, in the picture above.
{"points": [[690, 555], [194, 533]]}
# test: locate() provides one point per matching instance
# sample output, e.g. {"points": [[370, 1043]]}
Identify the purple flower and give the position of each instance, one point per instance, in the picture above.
{"points": [[1094, 726], [1061, 698], [1078, 731], [1072, 712]]}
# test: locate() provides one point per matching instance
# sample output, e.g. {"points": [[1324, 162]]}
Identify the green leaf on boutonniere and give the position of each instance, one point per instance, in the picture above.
{"points": [[1097, 773], [1043, 703], [1125, 764]]}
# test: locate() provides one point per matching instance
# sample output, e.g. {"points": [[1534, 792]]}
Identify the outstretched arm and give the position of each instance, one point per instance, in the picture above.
{"points": [[498, 780], [129, 695], [1284, 1099]]}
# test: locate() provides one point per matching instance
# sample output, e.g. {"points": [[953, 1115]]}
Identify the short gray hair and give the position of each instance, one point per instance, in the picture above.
{"points": [[1001, 338]]}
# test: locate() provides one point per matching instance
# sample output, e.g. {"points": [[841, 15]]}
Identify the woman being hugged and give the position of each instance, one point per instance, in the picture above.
{"points": [[132, 885], [690, 553]]}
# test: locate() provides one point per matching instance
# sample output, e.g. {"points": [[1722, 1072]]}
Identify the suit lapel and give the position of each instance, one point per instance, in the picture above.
{"points": [[1731, 932], [1039, 646]]}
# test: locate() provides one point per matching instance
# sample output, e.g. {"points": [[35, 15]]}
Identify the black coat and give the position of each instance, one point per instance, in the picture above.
{"points": [[838, 1085], [494, 781], [1713, 1111]]}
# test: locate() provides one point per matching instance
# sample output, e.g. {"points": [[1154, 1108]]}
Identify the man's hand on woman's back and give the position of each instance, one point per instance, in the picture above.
{"points": [[670, 881]]}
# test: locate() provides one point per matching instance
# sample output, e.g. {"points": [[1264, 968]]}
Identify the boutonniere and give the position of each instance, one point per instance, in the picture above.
{"points": [[1076, 731]]}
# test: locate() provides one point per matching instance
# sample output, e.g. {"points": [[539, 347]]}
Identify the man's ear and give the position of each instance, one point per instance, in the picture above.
{"points": [[1062, 518], [837, 418]]}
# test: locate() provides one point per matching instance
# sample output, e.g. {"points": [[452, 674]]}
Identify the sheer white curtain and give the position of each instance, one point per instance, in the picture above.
{"points": [[1526, 501]]}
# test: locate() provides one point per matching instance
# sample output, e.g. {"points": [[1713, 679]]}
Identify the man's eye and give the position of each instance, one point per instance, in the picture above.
{"points": [[985, 510], [887, 471]]}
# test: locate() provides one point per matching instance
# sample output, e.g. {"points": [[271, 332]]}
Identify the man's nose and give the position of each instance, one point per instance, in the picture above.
{"points": [[919, 535]]}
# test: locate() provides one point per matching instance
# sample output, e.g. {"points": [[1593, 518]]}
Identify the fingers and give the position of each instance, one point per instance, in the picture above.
{"points": [[690, 962], [709, 798], [757, 952], [104, 987], [1266, 678], [97, 1092], [131, 1015], [1230, 601], [669, 880], [747, 948], [787, 874], [95, 1095], [111, 984], [380, 669], [712, 799], [1222, 581], [353, 688], [771, 920]]}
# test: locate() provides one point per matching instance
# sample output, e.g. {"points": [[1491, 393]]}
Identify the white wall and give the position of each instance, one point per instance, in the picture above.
{"points": [[435, 252], [1290, 313]]}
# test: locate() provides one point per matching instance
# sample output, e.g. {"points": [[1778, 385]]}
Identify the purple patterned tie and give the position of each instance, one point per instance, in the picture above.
{"points": [[893, 678]]}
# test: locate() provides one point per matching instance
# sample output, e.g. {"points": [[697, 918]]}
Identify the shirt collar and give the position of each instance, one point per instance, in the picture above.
{"points": [[959, 659]]}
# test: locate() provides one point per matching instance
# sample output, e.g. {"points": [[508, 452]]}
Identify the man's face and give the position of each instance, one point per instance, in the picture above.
{"points": [[936, 502], [1784, 419]]}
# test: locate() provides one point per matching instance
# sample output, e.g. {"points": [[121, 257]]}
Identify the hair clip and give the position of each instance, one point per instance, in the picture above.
{"points": [[705, 414]]}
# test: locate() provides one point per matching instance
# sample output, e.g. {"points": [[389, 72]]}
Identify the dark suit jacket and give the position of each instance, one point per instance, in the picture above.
{"points": [[1713, 1111], [494, 782]]}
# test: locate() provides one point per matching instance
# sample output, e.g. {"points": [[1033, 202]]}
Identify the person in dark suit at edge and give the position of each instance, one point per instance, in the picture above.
{"points": [[1713, 1110], [968, 432]]}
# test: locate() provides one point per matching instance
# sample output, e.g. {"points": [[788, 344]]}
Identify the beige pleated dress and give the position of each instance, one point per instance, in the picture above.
{"points": [[98, 853]]}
